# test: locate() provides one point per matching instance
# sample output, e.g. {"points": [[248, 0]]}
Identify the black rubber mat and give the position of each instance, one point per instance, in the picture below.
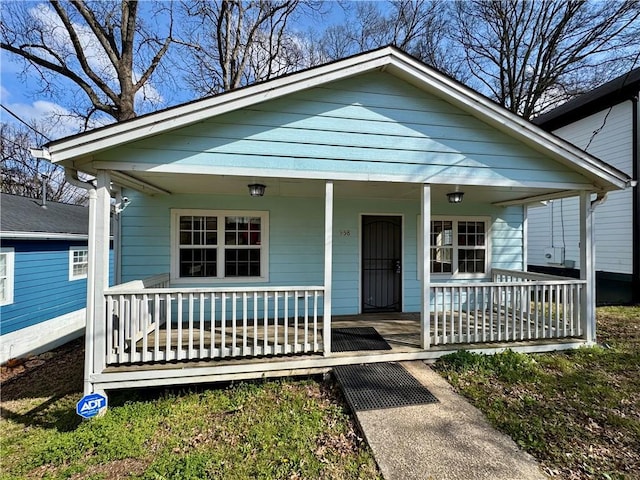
{"points": [[376, 386], [355, 339]]}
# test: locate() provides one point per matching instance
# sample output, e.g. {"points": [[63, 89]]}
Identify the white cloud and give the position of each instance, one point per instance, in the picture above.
{"points": [[50, 118]]}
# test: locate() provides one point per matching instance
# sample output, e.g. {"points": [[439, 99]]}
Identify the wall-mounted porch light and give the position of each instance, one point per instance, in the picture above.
{"points": [[455, 197], [256, 189]]}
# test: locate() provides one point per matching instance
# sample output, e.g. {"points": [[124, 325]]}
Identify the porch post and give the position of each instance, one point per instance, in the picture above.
{"points": [[90, 310], [587, 269], [101, 269], [425, 229], [328, 267]]}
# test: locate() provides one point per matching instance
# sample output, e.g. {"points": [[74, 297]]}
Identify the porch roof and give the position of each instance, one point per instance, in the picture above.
{"points": [[79, 150]]}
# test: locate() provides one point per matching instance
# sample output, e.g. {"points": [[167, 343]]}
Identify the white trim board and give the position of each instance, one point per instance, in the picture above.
{"points": [[42, 336]]}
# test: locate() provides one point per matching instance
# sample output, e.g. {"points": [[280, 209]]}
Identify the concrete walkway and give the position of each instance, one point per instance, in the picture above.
{"points": [[446, 440]]}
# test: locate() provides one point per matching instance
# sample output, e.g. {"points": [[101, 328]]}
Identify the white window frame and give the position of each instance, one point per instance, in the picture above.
{"points": [[455, 247], [78, 248], [220, 278], [9, 254]]}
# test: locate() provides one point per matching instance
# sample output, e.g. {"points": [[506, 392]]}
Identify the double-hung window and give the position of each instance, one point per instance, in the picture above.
{"points": [[459, 246], [6, 275], [78, 262], [215, 245]]}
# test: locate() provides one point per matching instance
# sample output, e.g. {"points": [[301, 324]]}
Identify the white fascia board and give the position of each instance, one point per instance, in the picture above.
{"points": [[510, 123], [183, 115], [332, 175], [44, 236]]}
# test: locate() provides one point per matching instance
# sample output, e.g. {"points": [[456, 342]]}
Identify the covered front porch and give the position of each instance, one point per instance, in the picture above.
{"points": [[220, 333], [160, 330]]}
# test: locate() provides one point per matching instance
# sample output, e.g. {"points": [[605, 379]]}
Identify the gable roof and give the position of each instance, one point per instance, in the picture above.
{"points": [[607, 95], [24, 217], [82, 147]]}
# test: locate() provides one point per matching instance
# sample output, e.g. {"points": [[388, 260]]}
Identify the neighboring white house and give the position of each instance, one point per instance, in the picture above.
{"points": [[604, 122]]}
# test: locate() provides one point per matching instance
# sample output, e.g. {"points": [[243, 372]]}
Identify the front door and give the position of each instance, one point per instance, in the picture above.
{"points": [[381, 263]]}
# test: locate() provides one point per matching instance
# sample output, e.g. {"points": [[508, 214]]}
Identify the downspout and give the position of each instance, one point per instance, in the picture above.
{"points": [[635, 209], [71, 176]]}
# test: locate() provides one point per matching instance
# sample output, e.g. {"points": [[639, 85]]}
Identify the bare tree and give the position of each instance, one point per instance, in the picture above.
{"points": [[103, 49], [231, 43], [531, 55], [21, 174], [419, 27]]}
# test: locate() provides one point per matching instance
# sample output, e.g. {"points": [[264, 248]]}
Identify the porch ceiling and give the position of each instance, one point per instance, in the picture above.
{"points": [[290, 187]]}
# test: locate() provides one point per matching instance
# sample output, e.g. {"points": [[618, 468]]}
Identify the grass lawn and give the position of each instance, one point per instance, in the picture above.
{"points": [[577, 412], [276, 429]]}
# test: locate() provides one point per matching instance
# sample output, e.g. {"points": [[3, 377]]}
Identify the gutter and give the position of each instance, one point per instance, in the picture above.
{"points": [[44, 236]]}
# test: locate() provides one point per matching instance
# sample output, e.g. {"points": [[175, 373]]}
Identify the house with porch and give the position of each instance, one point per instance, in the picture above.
{"points": [[369, 192]]}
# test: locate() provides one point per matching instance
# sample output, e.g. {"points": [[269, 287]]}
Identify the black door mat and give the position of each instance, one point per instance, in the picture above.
{"points": [[376, 386], [355, 339]]}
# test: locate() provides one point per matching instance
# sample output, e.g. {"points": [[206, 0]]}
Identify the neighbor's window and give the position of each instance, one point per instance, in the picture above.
{"points": [[6, 275], [459, 246], [78, 262], [220, 245]]}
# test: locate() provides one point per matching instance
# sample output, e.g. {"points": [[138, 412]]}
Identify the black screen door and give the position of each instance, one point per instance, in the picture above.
{"points": [[381, 263]]}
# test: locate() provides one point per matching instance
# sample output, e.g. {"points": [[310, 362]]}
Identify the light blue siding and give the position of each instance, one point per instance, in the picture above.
{"points": [[42, 289], [296, 243], [373, 124]]}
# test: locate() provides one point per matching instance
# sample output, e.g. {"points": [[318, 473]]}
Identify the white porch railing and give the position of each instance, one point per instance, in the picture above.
{"points": [[515, 306], [154, 323]]}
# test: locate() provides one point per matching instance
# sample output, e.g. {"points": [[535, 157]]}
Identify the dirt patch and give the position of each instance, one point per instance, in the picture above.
{"points": [[115, 470], [55, 373]]}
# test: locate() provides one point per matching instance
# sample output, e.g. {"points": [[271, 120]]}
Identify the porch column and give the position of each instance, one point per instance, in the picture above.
{"points": [[587, 268], [100, 278], [90, 310], [328, 267], [425, 267]]}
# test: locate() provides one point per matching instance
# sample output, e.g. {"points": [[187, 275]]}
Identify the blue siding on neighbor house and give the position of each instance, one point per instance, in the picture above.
{"points": [[42, 289], [374, 124], [296, 243]]}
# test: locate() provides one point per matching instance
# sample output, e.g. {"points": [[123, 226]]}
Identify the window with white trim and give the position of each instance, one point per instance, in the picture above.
{"points": [[7, 257], [459, 246], [229, 245], [78, 263]]}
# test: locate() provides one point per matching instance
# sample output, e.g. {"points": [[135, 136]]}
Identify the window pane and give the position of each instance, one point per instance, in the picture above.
{"points": [[441, 233], [196, 230], [471, 234], [441, 260], [3, 290], [3, 265], [196, 262], [471, 261], [242, 262], [242, 230]]}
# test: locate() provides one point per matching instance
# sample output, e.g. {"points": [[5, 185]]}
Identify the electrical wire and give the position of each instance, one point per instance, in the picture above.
{"points": [[604, 121], [24, 123]]}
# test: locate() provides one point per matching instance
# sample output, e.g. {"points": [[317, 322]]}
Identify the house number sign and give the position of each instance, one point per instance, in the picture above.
{"points": [[345, 233]]}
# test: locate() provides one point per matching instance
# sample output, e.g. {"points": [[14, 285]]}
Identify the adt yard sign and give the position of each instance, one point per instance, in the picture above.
{"points": [[90, 405]]}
